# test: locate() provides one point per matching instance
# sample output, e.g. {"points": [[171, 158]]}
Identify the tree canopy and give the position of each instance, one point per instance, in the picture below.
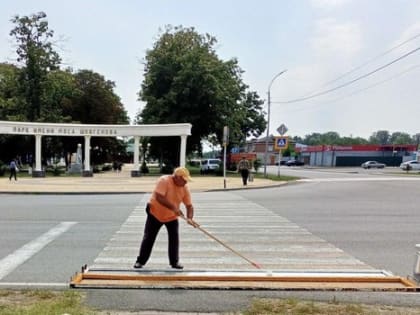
{"points": [[36, 89], [381, 137], [36, 54], [186, 82]]}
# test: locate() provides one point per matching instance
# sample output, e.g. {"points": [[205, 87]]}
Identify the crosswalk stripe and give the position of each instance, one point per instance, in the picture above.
{"points": [[18, 257], [252, 230]]}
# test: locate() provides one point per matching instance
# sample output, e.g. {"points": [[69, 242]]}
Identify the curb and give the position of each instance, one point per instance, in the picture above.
{"points": [[132, 192]]}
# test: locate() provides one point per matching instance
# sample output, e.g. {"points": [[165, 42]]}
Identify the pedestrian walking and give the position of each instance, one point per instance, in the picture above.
{"points": [[243, 167], [163, 208], [13, 169]]}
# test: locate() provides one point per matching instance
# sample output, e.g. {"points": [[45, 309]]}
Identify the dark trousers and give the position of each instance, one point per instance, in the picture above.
{"points": [[244, 174], [12, 173], [151, 230]]}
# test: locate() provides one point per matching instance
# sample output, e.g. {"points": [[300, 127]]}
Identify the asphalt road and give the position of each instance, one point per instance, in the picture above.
{"points": [[372, 215], [26, 218]]}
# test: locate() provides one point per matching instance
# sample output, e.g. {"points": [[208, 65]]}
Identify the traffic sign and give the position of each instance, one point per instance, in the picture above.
{"points": [[225, 135], [281, 143], [282, 129]]}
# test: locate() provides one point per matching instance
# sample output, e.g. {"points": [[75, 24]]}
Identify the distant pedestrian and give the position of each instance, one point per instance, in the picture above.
{"points": [[13, 169], [243, 167]]}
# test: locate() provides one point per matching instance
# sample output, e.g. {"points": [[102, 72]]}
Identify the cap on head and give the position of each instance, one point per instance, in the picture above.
{"points": [[183, 172]]}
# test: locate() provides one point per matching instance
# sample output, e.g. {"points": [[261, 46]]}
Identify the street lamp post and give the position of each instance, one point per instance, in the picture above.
{"points": [[268, 122]]}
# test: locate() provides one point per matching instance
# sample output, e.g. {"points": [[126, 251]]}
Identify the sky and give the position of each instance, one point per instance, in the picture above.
{"points": [[352, 66]]}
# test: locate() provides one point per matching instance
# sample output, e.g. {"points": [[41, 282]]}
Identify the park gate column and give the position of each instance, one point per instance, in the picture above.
{"points": [[135, 172], [183, 151], [38, 171], [86, 170]]}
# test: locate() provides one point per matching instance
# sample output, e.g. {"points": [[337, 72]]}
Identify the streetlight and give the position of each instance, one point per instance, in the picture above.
{"points": [[268, 123]]}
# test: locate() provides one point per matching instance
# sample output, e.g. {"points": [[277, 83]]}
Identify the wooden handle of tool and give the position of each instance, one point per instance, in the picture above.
{"points": [[258, 266]]}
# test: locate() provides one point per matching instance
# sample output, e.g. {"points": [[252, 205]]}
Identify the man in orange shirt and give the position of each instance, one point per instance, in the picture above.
{"points": [[163, 209]]}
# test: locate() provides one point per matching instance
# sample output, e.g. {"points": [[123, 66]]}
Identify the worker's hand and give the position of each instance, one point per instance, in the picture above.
{"points": [[193, 223], [179, 213]]}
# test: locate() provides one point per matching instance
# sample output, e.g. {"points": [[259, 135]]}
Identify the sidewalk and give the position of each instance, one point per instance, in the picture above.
{"points": [[121, 183]]}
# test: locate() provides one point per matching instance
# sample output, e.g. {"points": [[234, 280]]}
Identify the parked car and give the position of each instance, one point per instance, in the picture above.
{"points": [[372, 164], [209, 165], [282, 162], [410, 165], [294, 163]]}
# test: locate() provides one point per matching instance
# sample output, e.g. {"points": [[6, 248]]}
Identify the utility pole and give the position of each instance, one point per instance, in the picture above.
{"points": [[268, 122]]}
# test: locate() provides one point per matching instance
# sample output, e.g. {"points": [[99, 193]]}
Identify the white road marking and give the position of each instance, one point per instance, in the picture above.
{"points": [[357, 179], [270, 239], [34, 284], [18, 257]]}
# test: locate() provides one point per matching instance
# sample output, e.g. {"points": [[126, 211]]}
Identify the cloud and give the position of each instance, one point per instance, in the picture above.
{"points": [[332, 38], [328, 4], [411, 35]]}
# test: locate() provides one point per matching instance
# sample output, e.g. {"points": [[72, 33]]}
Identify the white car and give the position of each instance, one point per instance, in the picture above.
{"points": [[373, 164], [410, 165], [210, 165]]}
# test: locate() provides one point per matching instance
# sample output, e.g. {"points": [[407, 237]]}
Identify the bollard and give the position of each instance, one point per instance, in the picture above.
{"points": [[417, 264]]}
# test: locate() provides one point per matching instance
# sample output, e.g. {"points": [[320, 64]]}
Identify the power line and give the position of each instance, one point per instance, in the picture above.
{"points": [[365, 63], [371, 60], [360, 90], [378, 83], [349, 82]]}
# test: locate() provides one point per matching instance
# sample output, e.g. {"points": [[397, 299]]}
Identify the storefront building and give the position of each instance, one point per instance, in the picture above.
{"points": [[355, 155]]}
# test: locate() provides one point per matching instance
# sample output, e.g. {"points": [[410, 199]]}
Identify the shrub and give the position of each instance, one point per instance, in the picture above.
{"points": [[257, 165], [56, 171], [167, 168], [219, 171], [3, 168], [106, 167], [233, 167], [144, 169]]}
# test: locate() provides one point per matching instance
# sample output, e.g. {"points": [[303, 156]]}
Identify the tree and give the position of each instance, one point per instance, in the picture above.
{"points": [[36, 54], [93, 101], [9, 94], [352, 141], [400, 138], [60, 90], [380, 137], [96, 101], [416, 140], [330, 138], [11, 108], [37, 90], [313, 139], [247, 120], [186, 82]]}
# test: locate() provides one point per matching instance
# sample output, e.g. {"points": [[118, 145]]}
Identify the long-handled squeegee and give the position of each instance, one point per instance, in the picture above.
{"points": [[197, 226]]}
